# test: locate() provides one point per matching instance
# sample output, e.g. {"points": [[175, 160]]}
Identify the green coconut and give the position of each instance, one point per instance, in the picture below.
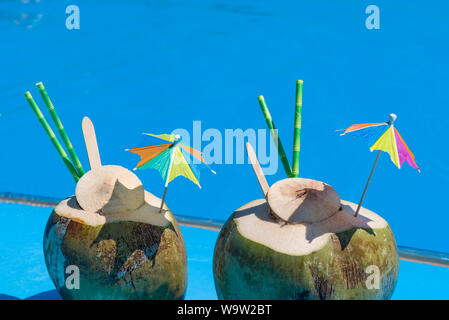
{"points": [[303, 242], [113, 233]]}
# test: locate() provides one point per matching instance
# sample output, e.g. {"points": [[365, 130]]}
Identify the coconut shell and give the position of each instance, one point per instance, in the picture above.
{"points": [[256, 257], [118, 257]]}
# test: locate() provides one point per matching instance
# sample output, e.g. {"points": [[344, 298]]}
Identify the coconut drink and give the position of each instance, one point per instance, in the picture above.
{"points": [[113, 233], [112, 239], [118, 237], [303, 242]]}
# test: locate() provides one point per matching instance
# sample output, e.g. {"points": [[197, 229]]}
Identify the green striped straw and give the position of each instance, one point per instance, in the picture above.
{"points": [[62, 133], [297, 130], [52, 136], [275, 136]]}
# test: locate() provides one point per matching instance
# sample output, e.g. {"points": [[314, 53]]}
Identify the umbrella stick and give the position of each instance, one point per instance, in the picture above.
{"points": [[367, 183], [275, 136], [52, 136], [170, 166], [163, 199], [62, 133], [297, 130]]}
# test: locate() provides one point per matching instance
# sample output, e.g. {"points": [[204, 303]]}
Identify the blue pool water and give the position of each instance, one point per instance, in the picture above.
{"points": [[156, 65]]}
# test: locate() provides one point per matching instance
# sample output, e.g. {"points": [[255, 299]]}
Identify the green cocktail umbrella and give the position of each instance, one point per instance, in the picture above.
{"points": [[169, 159]]}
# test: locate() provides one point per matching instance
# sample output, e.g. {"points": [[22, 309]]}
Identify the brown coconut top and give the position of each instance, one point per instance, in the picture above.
{"points": [[112, 193], [255, 222], [109, 189], [299, 200]]}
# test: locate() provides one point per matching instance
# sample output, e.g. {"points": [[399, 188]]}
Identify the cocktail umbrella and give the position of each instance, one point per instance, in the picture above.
{"points": [[169, 159], [383, 136]]}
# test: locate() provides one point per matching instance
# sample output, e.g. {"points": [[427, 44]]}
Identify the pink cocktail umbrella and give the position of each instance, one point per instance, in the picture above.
{"points": [[383, 136]]}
